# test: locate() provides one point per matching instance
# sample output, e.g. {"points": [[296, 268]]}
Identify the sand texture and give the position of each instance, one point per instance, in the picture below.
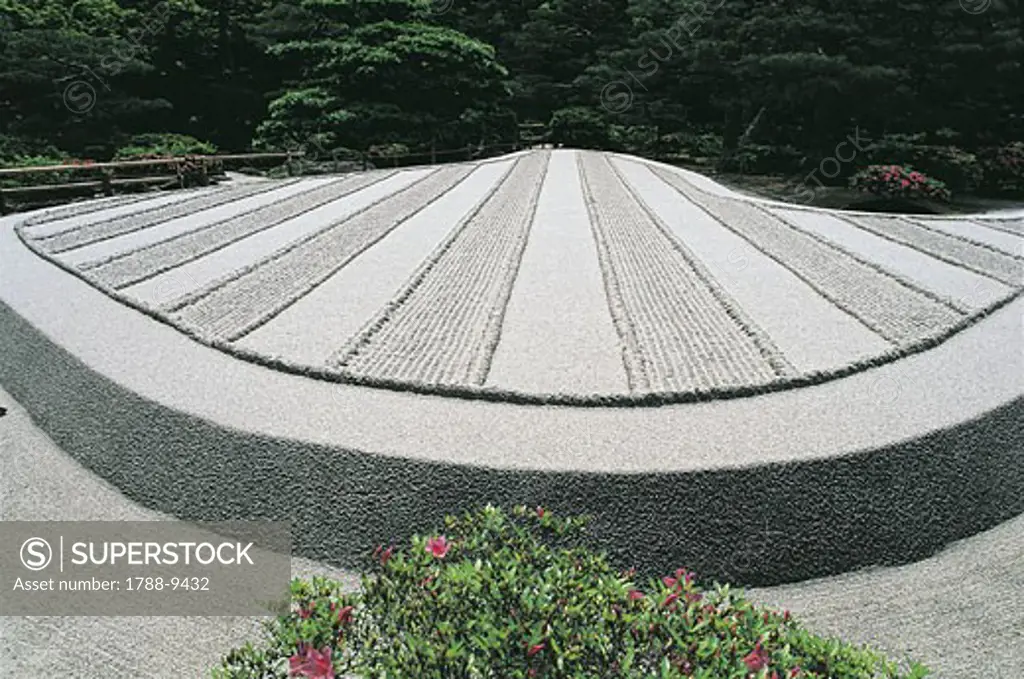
{"points": [[561, 276]]}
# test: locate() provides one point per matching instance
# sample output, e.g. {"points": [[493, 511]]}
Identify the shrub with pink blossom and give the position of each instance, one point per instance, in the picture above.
{"points": [[516, 596], [1004, 169], [899, 181]]}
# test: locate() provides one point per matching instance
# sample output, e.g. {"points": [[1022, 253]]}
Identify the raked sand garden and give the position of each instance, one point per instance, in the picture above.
{"points": [[764, 392]]}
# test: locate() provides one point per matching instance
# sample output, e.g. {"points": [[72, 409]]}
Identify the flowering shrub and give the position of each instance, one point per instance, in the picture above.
{"points": [[899, 181], [514, 596], [1004, 168], [958, 168]]}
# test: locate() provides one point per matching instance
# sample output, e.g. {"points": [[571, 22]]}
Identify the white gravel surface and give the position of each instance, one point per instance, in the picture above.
{"points": [[819, 337], [83, 207], [972, 373], [965, 289], [50, 228], [709, 294], [1002, 267], [90, 255], [961, 611], [558, 333], [172, 287], [260, 293], [39, 482], [978, 232], [452, 308], [678, 334], [895, 311], [138, 265], [308, 336], [108, 228]]}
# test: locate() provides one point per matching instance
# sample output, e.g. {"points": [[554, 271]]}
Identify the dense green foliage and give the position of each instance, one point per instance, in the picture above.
{"points": [[754, 86], [518, 596]]}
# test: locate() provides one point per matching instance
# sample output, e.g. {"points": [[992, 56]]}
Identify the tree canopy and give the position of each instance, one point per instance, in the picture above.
{"points": [[83, 78]]}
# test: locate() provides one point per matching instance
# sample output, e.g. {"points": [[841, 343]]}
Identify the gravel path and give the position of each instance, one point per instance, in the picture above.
{"points": [[108, 228], [895, 311], [453, 306], [558, 334], [308, 336], [961, 611], [966, 290], [820, 337], [264, 290], [1002, 267], [133, 267], [678, 334], [39, 482]]}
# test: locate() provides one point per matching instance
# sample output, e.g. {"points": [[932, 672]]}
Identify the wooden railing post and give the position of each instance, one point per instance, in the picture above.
{"points": [[105, 177]]}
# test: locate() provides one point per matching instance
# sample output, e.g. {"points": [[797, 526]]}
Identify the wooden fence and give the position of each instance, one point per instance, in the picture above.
{"points": [[109, 178]]}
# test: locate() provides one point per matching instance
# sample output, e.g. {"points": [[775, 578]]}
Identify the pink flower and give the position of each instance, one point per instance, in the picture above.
{"points": [[345, 615], [306, 612], [905, 183], [438, 546], [670, 599], [383, 554], [540, 512], [635, 595], [669, 581], [756, 659], [311, 663], [534, 650], [685, 575]]}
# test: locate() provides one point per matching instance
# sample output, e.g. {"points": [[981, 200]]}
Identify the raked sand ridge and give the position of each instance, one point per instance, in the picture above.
{"points": [[664, 291]]}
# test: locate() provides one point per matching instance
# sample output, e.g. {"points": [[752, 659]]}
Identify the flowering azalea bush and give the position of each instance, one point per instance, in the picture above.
{"points": [[517, 596], [899, 181], [1004, 168]]}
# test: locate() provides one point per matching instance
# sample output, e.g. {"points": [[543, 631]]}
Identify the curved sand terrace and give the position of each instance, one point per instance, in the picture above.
{"points": [[878, 466], [910, 606], [550, 277]]}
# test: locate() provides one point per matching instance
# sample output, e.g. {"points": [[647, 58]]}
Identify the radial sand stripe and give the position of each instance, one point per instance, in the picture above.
{"points": [[558, 335], [977, 232], [84, 207], [138, 265], [91, 256], [898, 313], [683, 336], [68, 224], [306, 335], [261, 292], [444, 326], [964, 290], [820, 337], [980, 259], [102, 230], [1014, 225], [768, 348]]}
